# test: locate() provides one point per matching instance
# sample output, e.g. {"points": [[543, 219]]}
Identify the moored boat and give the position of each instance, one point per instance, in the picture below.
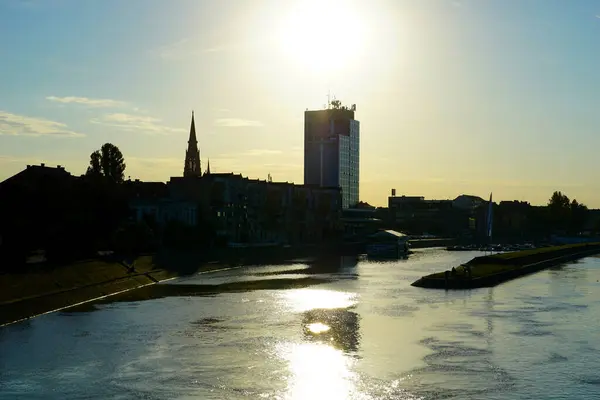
{"points": [[388, 244]]}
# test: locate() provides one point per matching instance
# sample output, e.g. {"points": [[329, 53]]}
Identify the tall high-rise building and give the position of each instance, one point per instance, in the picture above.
{"points": [[192, 154], [332, 150]]}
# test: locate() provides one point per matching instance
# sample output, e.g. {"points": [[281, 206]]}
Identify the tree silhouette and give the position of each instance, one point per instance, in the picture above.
{"points": [[565, 214], [579, 215], [107, 162], [559, 201]]}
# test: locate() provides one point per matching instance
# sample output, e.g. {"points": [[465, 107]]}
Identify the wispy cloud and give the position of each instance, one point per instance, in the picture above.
{"points": [[156, 164], [186, 48], [261, 152], [274, 153], [136, 123], [598, 16], [222, 110], [86, 101], [15, 124], [236, 123]]}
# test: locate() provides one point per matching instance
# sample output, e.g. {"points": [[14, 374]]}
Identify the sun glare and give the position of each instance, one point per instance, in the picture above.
{"points": [[324, 36]]}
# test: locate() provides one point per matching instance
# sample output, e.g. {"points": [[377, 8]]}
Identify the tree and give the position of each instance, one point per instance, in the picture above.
{"points": [[107, 162], [559, 201], [579, 216], [95, 169], [559, 210]]}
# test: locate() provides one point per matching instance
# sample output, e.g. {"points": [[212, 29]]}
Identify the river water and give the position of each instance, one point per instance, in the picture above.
{"points": [[361, 332]]}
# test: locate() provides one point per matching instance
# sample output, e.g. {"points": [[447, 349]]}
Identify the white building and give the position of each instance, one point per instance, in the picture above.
{"points": [[332, 151]]}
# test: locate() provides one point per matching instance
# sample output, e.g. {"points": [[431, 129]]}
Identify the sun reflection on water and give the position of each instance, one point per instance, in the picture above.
{"points": [[318, 327], [301, 300], [318, 371]]}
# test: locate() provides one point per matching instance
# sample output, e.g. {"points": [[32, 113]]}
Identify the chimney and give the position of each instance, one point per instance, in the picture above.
{"points": [[28, 166]]}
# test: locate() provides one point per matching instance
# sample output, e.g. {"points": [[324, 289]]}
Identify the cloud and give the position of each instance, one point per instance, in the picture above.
{"points": [[261, 152], [222, 110], [254, 153], [87, 101], [15, 124], [157, 163], [129, 122], [236, 123], [185, 48]]}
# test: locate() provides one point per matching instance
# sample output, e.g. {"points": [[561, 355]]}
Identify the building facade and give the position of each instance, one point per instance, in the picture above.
{"points": [[252, 211], [332, 151]]}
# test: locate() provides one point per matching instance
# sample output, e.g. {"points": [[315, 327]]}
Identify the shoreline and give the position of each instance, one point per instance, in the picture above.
{"points": [[3, 323], [46, 289], [47, 301]]}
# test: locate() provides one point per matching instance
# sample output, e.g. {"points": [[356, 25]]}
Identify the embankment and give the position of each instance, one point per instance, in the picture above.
{"points": [[493, 270], [45, 288], [24, 295]]}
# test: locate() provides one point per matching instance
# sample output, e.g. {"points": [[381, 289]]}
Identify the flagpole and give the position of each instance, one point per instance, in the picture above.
{"points": [[490, 222]]}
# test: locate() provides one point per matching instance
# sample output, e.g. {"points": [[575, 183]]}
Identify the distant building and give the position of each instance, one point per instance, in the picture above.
{"points": [[418, 216], [400, 201], [467, 202], [332, 151], [240, 209], [256, 211]]}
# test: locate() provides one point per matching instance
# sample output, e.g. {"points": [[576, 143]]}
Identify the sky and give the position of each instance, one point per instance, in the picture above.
{"points": [[453, 96]]}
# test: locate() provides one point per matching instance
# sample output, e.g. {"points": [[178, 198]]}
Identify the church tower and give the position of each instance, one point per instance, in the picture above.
{"points": [[192, 154]]}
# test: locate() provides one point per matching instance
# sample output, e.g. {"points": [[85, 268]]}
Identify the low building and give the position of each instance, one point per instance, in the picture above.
{"points": [[257, 211], [467, 202], [417, 215], [35, 203], [360, 221], [243, 210], [164, 210]]}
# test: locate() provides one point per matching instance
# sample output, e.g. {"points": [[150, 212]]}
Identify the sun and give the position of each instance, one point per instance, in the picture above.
{"points": [[325, 36]]}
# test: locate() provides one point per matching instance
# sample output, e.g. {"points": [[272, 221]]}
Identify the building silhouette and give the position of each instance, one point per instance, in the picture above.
{"points": [[192, 154], [332, 150], [237, 209]]}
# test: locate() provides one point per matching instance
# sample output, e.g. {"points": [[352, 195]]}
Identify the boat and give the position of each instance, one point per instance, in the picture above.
{"points": [[388, 244]]}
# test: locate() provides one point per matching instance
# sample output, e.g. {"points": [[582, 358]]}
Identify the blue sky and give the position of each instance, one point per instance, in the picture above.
{"points": [[465, 96]]}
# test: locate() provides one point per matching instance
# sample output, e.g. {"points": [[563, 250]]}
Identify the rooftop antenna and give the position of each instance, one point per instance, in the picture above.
{"points": [[328, 99]]}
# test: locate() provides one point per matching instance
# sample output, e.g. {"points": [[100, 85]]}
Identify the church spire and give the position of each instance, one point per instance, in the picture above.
{"points": [[207, 167], [193, 131], [192, 154]]}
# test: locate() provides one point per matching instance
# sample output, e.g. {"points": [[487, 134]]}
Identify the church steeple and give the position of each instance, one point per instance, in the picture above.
{"points": [[207, 167], [192, 154]]}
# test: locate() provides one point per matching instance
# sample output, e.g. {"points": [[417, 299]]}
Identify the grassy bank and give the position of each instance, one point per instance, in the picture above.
{"points": [[46, 288], [23, 295], [492, 270]]}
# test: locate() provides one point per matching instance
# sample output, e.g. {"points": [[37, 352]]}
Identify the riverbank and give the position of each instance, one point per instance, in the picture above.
{"points": [[45, 288], [488, 271]]}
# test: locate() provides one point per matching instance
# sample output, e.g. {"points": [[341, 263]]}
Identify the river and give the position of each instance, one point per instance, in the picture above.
{"points": [[361, 332]]}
